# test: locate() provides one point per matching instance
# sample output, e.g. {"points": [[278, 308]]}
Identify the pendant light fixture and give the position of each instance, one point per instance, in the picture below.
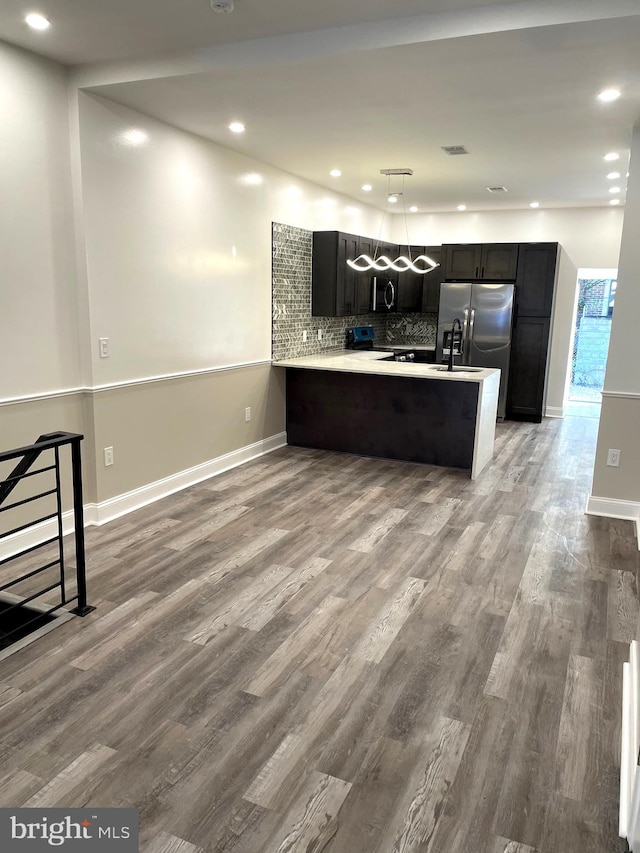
{"points": [[421, 265]]}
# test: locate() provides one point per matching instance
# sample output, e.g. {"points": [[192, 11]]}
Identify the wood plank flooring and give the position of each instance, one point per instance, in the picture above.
{"points": [[334, 654]]}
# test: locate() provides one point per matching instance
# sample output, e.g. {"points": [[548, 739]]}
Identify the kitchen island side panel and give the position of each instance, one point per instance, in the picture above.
{"points": [[394, 417]]}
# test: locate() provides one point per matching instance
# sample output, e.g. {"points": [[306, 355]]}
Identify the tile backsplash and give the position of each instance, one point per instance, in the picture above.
{"points": [[411, 328], [291, 306]]}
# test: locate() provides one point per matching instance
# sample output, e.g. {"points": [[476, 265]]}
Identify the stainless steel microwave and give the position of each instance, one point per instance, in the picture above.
{"points": [[383, 294]]}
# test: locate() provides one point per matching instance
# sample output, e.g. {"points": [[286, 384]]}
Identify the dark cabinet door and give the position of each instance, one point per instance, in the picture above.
{"points": [[324, 274], [391, 250], [431, 281], [364, 279], [410, 283], [536, 279], [527, 368], [499, 262], [462, 262], [334, 285], [481, 262], [348, 249]]}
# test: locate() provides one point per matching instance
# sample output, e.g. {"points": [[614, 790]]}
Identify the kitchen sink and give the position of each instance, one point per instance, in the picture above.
{"points": [[460, 369]]}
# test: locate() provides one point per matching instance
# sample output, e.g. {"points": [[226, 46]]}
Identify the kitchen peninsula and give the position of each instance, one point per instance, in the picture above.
{"points": [[359, 402]]}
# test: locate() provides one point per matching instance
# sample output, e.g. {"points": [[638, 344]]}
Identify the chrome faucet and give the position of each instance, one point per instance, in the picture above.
{"points": [[453, 340]]}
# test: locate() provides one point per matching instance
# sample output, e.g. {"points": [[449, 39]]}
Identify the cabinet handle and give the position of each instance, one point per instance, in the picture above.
{"points": [[482, 273], [476, 272]]}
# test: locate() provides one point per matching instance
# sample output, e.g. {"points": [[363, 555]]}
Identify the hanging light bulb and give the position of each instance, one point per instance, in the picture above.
{"points": [[420, 265]]}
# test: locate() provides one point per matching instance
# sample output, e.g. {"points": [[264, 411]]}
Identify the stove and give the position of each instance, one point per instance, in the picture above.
{"points": [[362, 338]]}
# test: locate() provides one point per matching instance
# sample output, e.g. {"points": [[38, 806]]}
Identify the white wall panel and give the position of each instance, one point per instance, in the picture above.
{"points": [[38, 322], [620, 418]]}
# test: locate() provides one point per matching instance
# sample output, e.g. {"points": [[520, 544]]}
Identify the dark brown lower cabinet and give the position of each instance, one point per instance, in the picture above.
{"points": [[432, 421], [527, 368]]}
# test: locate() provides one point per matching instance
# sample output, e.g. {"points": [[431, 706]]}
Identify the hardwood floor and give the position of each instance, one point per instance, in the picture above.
{"points": [[320, 652]]}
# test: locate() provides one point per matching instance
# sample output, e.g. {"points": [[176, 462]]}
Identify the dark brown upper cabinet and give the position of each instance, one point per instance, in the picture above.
{"points": [[535, 284], [481, 262], [410, 284], [432, 281], [417, 292], [337, 290]]}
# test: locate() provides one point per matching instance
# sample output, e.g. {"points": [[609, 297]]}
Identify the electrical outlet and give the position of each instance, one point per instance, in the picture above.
{"points": [[319, 334], [247, 413], [108, 456], [104, 347], [613, 458], [304, 337]]}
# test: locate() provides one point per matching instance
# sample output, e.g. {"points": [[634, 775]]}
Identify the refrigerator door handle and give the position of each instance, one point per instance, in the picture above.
{"points": [[464, 337], [472, 320]]}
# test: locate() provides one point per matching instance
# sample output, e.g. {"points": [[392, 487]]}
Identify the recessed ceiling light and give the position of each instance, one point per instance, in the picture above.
{"points": [[392, 199], [251, 179], [37, 21], [135, 137], [613, 176], [462, 207], [236, 127], [611, 156], [609, 95], [615, 201], [335, 173], [534, 204], [367, 188], [614, 189], [413, 209]]}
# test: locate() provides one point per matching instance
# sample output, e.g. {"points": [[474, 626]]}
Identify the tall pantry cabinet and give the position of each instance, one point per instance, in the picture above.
{"points": [[535, 286]]}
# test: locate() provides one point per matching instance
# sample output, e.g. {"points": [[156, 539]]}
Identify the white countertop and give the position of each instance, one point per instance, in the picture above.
{"points": [[369, 361]]}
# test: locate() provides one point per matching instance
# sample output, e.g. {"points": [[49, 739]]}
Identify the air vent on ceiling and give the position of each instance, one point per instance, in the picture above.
{"points": [[498, 189], [454, 149]]}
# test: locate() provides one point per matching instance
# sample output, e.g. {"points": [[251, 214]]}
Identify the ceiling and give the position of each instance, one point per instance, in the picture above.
{"points": [[374, 84]]}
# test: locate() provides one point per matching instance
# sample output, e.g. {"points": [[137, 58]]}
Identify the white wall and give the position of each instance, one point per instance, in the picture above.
{"points": [[590, 237], [178, 239], [38, 319], [617, 490]]}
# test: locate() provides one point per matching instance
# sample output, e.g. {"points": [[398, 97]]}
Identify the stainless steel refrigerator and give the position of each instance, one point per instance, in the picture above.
{"points": [[485, 313]]}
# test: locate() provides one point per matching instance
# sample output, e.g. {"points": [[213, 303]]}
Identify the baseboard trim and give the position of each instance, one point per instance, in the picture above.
{"points": [[554, 412], [609, 508], [102, 513], [137, 498]]}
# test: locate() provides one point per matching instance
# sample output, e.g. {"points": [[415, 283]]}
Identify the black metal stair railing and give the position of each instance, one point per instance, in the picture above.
{"points": [[24, 469]]}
